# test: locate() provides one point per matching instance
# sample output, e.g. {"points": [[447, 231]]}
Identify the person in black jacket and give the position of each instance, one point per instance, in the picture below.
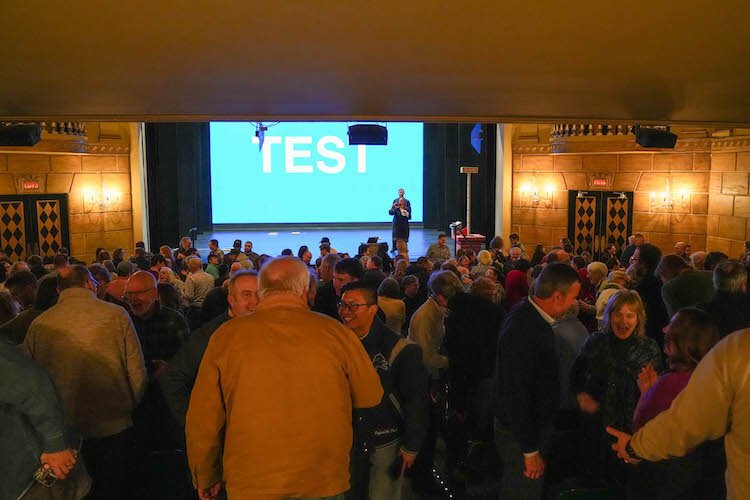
{"points": [[389, 436], [729, 307], [648, 286], [179, 377], [527, 386]]}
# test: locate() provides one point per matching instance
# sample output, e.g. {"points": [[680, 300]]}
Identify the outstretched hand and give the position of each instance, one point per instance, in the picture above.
{"points": [[623, 439]]}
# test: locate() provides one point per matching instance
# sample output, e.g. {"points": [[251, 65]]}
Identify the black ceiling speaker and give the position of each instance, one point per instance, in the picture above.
{"points": [[369, 134], [655, 137], [26, 134]]}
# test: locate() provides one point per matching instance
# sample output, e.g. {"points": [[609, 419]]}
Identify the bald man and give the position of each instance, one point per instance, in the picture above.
{"points": [[161, 330], [291, 378]]}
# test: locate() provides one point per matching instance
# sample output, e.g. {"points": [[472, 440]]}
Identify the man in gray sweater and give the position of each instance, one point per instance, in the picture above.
{"points": [[92, 353]]}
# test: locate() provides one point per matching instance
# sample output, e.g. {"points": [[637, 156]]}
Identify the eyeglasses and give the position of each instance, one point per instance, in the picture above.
{"points": [[350, 307]]}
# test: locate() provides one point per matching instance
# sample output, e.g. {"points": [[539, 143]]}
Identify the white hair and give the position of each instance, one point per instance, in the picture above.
{"points": [[287, 275]]}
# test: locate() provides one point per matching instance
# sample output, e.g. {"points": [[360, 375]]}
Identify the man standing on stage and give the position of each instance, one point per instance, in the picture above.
{"points": [[401, 212]]}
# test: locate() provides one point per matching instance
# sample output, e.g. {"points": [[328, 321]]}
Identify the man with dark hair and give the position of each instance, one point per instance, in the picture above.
{"points": [[213, 248], [92, 353], [344, 271], [527, 383], [157, 262], [629, 250], [140, 260], [36, 266], [729, 307], [60, 261], [22, 287], [374, 274], [439, 250], [712, 259], [383, 435], [421, 269], [250, 254], [46, 296]]}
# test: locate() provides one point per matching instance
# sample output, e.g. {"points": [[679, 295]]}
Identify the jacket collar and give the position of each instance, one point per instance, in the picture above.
{"points": [[72, 293], [282, 300]]}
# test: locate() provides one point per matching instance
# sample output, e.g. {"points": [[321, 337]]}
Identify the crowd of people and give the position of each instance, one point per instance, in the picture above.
{"points": [[337, 375]]}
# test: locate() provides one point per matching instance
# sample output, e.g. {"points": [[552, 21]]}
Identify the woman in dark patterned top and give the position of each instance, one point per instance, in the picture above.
{"points": [[605, 374]]}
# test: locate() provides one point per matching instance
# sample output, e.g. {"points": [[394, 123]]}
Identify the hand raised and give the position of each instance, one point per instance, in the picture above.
{"points": [[647, 378]]}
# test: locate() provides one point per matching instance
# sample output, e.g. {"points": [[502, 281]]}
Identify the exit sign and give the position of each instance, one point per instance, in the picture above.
{"points": [[31, 185], [599, 182]]}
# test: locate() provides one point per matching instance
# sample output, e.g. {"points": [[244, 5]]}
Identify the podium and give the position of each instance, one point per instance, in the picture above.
{"points": [[474, 242]]}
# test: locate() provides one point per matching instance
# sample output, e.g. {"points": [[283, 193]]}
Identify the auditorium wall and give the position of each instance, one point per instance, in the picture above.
{"points": [[91, 164], [697, 193]]}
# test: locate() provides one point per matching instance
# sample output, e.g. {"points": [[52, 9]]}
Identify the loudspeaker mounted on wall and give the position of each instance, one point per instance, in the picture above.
{"points": [[25, 134], [655, 137]]}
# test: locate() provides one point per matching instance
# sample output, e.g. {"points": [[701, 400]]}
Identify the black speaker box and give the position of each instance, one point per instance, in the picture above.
{"points": [[20, 135], [371, 135], [655, 138]]}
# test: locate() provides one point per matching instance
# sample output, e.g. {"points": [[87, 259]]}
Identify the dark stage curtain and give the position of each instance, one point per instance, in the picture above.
{"points": [[446, 148], [179, 180]]}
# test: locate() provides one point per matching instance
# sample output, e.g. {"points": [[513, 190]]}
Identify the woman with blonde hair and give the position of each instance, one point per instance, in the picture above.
{"points": [[604, 375], [166, 275], [485, 262]]}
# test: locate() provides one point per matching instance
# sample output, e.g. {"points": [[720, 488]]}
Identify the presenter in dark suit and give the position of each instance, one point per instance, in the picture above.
{"points": [[401, 212]]}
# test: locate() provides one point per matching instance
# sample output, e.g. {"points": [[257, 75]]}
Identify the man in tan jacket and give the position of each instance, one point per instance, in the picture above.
{"points": [[92, 352], [271, 409]]}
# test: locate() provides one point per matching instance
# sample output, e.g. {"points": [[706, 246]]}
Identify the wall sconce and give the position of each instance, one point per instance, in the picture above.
{"points": [[535, 198], [667, 200], [101, 200]]}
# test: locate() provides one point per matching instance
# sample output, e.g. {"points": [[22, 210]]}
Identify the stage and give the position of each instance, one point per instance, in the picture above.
{"points": [[272, 240]]}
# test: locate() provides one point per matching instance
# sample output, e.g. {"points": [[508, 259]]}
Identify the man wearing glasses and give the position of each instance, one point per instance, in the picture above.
{"points": [[387, 437], [91, 351]]}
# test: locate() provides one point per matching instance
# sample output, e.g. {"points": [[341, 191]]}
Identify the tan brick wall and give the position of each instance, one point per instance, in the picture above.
{"points": [[728, 224], [91, 226], [643, 173]]}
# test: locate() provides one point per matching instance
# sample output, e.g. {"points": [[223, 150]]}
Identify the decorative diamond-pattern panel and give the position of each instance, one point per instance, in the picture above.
{"points": [[585, 224], [617, 221], [12, 229], [49, 226]]}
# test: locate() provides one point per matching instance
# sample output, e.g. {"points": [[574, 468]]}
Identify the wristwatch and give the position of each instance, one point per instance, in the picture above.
{"points": [[629, 450]]}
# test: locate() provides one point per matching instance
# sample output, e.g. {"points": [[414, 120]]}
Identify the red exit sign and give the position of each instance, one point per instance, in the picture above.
{"points": [[600, 182], [31, 184]]}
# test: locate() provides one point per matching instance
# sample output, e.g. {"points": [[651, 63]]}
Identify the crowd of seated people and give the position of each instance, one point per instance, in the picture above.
{"points": [[169, 374]]}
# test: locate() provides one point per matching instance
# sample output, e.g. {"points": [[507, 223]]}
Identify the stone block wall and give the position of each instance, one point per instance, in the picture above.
{"points": [[728, 221], [707, 180], [84, 177], [641, 173]]}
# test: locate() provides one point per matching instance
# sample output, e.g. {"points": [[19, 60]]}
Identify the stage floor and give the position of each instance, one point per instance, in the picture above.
{"points": [[272, 241]]}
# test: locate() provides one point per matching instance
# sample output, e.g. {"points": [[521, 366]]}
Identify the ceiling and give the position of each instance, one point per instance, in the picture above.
{"points": [[432, 60]]}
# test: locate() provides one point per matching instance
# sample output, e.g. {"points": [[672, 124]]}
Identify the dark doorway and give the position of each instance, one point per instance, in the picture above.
{"points": [[33, 224], [598, 218]]}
